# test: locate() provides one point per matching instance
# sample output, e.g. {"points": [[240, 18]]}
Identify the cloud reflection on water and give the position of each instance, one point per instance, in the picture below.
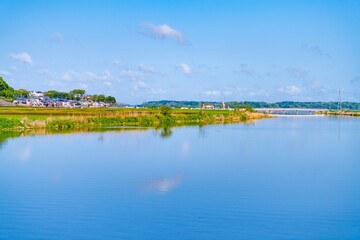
{"points": [[163, 185]]}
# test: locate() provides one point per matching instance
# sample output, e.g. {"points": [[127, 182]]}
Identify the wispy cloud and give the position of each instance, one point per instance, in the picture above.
{"points": [[137, 73], [22, 57], [70, 75], [105, 75], [290, 90], [117, 62], [46, 72], [132, 74], [208, 67], [185, 68], [245, 68], [57, 37], [213, 93], [139, 85], [161, 32], [145, 69], [316, 50], [4, 73], [297, 72]]}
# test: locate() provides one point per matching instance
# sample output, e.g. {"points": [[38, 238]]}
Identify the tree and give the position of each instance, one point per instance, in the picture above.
{"points": [[7, 94], [5, 90], [78, 91], [21, 93], [165, 110], [56, 94], [110, 99], [4, 85], [103, 98]]}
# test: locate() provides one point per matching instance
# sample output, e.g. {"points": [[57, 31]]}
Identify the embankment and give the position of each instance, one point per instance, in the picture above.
{"points": [[344, 113], [75, 119]]}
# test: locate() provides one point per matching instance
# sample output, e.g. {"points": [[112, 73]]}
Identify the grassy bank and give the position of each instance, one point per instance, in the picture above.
{"points": [[74, 119], [344, 113]]}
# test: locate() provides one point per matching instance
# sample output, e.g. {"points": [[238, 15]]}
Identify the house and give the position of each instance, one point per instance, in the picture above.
{"points": [[36, 94], [208, 106]]}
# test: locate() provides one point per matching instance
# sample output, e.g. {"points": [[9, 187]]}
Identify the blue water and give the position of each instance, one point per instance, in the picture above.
{"points": [[283, 178]]}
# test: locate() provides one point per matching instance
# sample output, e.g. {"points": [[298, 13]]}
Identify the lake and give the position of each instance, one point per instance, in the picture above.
{"points": [[283, 178]]}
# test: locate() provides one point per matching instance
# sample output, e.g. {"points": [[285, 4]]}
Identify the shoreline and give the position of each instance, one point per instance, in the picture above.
{"points": [[344, 113], [21, 119]]}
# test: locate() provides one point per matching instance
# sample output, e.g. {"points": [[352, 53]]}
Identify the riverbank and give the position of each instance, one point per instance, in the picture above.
{"points": [[345, 113], [75, 119]]}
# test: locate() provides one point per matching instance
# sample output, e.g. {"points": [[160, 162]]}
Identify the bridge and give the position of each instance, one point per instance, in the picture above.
{"points": [[291, 111]]}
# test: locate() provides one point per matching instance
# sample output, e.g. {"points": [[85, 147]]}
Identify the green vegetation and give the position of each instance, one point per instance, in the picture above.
{"points": [[75, 119], [344, 113], [7, 124], [246, 104], [77, 91], [103, 98], [9, 94], [6, 91], [21, 93]]}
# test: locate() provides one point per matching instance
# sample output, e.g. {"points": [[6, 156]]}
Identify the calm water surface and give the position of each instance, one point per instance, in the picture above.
{"points": [[284, 178]]}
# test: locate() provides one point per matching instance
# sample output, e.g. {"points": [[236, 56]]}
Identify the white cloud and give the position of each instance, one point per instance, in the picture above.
{"points": [[57, 37], [4, 73], [132, 74], [297, 72], [185, 68], [213, 93], [69, 75], [117, 62], [290, 90], [83, 86], [139, 85], [22, 57], [145, 69], [108, 83], [46, 72], [105, 75], [161, 31]]}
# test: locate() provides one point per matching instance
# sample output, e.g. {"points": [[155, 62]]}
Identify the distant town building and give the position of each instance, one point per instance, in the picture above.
{"points": [[208, 106], [36, 94], [223, 105]]}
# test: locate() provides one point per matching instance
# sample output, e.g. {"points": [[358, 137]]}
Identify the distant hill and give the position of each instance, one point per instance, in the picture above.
{"points": [[284, 104]]}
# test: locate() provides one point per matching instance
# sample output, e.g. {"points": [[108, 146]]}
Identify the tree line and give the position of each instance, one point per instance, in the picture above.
{"points": [[9, 93], [246, 104]]}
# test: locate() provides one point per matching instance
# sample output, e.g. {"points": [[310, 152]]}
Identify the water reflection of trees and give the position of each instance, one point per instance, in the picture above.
{"points": [[166, 132], [202, 131], [4, 136]]}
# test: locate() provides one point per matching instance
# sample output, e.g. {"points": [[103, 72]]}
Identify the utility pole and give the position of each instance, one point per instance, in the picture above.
{"points": [[339, 101]]}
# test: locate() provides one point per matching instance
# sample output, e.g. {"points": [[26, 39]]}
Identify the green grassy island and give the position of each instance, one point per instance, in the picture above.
{"points": [[54, 119]]}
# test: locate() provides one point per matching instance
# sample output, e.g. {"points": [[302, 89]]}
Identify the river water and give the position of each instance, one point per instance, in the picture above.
{"points": [[283, 178]]}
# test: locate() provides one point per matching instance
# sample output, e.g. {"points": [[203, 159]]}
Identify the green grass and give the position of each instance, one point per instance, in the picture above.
{"points": [[9, 124], [66, 119]]}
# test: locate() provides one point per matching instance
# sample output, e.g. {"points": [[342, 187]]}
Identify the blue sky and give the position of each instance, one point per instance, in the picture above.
{"points": [[184, 50]]}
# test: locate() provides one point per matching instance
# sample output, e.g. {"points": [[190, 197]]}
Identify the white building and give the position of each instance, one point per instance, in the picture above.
{"points": [[36, 94]]}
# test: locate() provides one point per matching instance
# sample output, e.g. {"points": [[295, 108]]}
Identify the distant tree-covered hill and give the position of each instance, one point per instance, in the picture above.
{"points": [[9, 94], [285, 104]]}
